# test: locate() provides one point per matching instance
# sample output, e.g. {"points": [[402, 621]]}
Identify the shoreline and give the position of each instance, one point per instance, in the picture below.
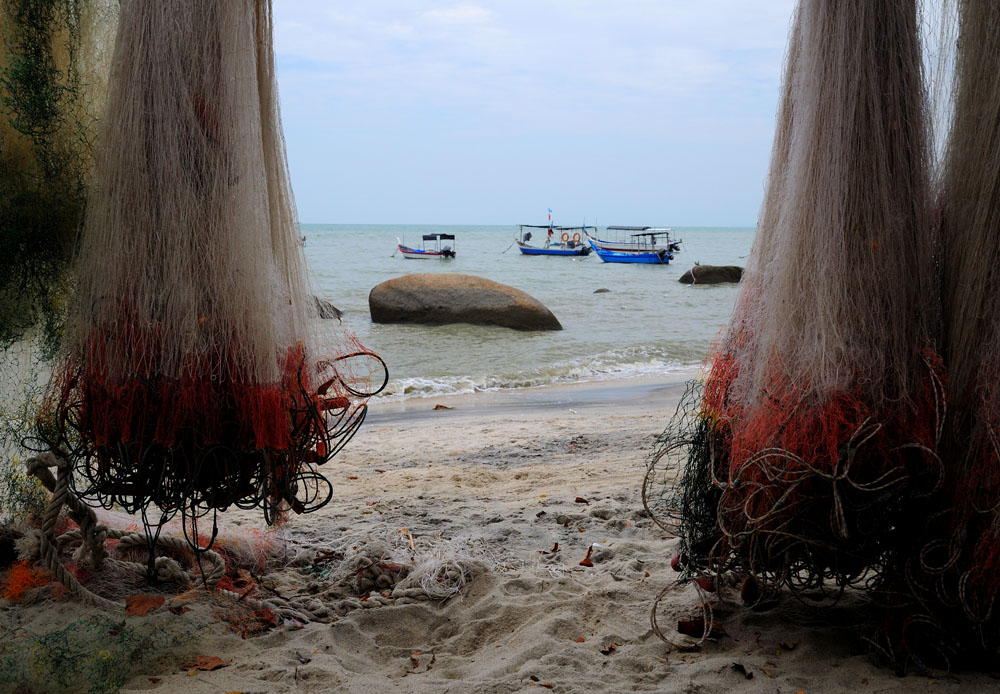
{"points": [[639, 392]]}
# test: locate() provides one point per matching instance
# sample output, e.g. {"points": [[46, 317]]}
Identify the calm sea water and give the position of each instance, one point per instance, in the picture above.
{"points": [[647, 324]]}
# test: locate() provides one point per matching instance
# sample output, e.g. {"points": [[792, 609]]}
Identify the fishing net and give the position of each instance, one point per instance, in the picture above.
{"points": [[195, 375], [946, 610], [813, 441], [392, 567], [96, 654]]}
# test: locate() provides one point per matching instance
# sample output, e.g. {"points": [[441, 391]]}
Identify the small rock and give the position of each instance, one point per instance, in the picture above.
{"points": [[602, 555], [327, 310], [712, 274]]}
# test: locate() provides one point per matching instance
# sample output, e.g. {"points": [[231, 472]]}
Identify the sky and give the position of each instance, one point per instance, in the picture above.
{"points": [[657, 112]]}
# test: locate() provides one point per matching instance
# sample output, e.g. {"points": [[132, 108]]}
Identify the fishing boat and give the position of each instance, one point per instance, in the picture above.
{"points": [[435, 251], [637, 240], [662, 256], [559, 240]]}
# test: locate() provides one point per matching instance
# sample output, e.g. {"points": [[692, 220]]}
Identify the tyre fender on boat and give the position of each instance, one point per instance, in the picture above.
{"points": [[576, 237], [565, 236]]}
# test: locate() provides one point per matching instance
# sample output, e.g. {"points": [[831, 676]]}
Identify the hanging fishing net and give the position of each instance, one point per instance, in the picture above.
{"points": [[946, 610], [813, 440], [194, 377]]}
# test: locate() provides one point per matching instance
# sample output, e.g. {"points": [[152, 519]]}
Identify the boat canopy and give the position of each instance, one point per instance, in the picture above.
{"points": [[554, 228], [648, 230], [435, 237]]}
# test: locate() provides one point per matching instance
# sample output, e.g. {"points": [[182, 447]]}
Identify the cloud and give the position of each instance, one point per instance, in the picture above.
{"points": [[559, 49], [487, 85], [459, 15]]}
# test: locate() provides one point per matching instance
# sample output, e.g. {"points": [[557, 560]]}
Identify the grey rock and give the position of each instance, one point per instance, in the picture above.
{"points": [[327, 310], [712, 274], [602, 555], [443, 298]]}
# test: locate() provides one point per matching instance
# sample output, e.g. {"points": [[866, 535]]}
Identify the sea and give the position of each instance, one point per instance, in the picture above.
{"points": [[646, 324]]}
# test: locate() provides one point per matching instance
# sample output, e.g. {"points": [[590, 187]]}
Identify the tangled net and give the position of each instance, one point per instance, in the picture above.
{"points": [[96, 654], [194, 376], [945, 607], [142, 444], [812, 452], [816, 497]]}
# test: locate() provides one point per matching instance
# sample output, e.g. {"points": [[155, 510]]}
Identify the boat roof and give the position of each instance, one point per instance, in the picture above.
{"points": [[435, 237], [548, 226], [649, 230]]}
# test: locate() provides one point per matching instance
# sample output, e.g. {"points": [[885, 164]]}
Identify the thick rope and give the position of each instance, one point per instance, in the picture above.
{"points": [[93, 536]]}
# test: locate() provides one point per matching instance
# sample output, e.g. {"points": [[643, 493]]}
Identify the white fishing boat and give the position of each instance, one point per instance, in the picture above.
{"points": [[558, 240], [437, 250]]}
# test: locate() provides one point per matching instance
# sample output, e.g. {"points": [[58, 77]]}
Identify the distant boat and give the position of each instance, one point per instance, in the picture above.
{"points": [[436, 251], [638, 239], [559, 240], [659, 257]]}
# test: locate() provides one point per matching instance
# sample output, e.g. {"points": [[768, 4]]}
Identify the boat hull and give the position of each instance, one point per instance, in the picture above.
{"points": [[554, 250], [645, 258], [630, 247], [417, 254]]}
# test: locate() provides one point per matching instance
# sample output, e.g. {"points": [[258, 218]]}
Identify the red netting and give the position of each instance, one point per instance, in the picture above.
{"points": [[20, 578], [810, 489], [211, 438]]}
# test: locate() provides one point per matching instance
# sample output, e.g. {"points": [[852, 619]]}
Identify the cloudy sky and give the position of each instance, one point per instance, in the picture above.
{"points": [[493, 111]]}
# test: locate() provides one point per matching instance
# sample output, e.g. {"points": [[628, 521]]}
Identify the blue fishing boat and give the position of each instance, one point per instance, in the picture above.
{"points": [[559, 240], [640, 240], [660, 257]]}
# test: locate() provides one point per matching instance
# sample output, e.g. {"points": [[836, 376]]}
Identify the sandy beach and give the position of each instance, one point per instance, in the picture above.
{"points": [[512, 491]]}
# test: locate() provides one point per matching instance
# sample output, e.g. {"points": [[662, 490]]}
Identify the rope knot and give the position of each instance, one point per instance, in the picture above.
{"points": [[169, 570]]}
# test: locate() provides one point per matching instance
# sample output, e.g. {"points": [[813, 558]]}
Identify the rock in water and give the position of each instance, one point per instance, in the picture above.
{"points": [[712, 274], [326, 310], [441, 298]]}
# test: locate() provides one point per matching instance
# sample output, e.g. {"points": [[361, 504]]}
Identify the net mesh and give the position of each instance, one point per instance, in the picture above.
{"points": [[194, 376], [812, 448]]}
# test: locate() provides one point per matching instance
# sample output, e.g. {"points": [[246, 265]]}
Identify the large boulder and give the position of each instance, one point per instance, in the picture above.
{"points": [[440, 298], [712, 274]]}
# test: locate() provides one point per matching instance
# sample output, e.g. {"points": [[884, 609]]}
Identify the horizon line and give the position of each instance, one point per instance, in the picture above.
{"points": [[485, 224]]}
